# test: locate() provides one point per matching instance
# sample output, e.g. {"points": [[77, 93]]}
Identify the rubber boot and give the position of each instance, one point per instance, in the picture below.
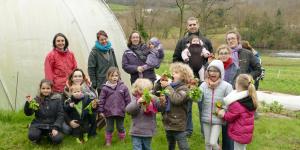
{"points": [[108, 138], [122, 136]]}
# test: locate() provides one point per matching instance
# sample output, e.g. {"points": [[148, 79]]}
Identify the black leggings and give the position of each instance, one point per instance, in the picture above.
{"points": [[35, 135]]}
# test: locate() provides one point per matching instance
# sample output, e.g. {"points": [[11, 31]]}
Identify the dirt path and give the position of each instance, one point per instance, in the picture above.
{"points": [[290, 102]]}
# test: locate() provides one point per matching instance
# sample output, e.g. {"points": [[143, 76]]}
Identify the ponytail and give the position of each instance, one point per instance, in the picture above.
{"points": [[252, 94], [246, 82]]}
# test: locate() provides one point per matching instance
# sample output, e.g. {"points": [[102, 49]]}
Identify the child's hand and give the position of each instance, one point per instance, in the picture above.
{"points": [[164, 83], [72, 104], [94, 104], [140, 100], [140, 69], [162, 100], [220, 113], [28, 98]]}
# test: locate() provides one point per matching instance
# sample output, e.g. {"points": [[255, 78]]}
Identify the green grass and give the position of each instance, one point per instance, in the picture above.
{"points": [[270, 134], [118, 7], [282, 74]]}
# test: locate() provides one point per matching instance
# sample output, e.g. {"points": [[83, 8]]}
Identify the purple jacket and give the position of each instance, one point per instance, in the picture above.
{"points": [[130, 62], [113, 100], [142, 125]]}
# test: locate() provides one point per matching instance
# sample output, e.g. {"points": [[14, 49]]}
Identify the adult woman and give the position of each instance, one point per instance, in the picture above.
{"points": [[231, 70], [59, 63], [79, 78], [101, 58], [134, 58]]}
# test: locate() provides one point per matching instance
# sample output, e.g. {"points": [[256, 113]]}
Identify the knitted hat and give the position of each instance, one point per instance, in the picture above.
{"points": [[154, 41]]}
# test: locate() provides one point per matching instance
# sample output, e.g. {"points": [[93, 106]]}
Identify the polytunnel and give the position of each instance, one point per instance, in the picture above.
{"points": [[27, 28]]}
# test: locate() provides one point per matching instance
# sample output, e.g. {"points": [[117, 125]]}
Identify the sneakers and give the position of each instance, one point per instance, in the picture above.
{"points": [[84, 139]]}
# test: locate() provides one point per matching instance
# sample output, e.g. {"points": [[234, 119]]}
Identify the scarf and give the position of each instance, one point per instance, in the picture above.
{"points": [[227, 63], [113, 86], [140, 51], [235, 54], [103, 48], [211, 84]]}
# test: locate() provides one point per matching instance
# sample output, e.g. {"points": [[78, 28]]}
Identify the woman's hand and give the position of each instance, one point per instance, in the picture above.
{"points": [[54, 132], [94, 104], [73, 124], [140, 69]]}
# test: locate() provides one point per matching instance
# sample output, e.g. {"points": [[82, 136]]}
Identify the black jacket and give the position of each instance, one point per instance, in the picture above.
{"points": [[246, 61], [181, 45], [50, 114], [72, 114]]}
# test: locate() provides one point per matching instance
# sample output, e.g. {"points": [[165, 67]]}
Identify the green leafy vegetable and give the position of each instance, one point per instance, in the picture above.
{"points": [[195, 94], [33, 105]]}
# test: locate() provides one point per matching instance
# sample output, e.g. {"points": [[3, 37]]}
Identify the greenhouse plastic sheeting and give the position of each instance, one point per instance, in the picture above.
{"points": [[27, 28]]}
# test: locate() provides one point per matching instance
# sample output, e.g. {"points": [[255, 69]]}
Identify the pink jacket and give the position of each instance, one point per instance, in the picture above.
{"points": [[58, 66], [240, 116]]}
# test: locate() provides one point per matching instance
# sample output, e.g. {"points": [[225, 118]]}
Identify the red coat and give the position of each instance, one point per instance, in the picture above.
{"points": [[240, 119], [58, 66]]}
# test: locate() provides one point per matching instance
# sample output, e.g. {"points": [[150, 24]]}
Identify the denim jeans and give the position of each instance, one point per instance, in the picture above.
{"points": [[189, 121], [227, 142], [179, 137], [119, 123], [141, 143]]}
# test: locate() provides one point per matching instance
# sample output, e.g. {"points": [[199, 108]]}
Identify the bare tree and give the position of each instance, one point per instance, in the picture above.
{"points": [[181, 5], [204, 9]]}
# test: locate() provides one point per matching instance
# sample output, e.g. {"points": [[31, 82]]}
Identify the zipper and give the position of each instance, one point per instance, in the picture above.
{"points": [[212, 106]]}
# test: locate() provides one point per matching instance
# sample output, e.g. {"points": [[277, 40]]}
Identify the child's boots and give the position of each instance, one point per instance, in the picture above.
{"points": [[122, 136], [108, 138]]}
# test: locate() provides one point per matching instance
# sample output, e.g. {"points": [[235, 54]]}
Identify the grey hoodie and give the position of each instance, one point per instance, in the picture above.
{"points": [[211, 96]]}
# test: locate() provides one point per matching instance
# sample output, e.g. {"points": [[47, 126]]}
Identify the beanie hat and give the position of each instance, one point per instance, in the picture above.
{"points": [[154, 41]]}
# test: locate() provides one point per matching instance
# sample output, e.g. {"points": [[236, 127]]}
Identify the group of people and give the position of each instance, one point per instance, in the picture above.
{"points": [[69, 102]]}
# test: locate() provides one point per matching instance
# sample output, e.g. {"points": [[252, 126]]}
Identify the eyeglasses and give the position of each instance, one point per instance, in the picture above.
{"points": [[193, 24], [232, 38], [225, 53], [212, 70]]}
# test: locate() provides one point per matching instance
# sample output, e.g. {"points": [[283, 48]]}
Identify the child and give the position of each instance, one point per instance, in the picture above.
{"points": [[79, 113], [195, 55], [114, 97], [79, 78], [155, 56], [175, 109], [214, 89], [241, 104], [143, 124], [49, 114]]}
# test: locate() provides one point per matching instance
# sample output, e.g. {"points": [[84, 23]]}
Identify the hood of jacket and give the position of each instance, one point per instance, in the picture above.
{"points": [[218, 64]]}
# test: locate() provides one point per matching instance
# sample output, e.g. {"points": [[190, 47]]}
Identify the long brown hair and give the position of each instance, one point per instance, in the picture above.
{"points": [[245, 82], [85, 79], [40, 97]]}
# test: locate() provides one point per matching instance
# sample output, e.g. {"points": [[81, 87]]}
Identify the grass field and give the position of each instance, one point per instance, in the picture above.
{"points": [[270, 133], [118, 7]]}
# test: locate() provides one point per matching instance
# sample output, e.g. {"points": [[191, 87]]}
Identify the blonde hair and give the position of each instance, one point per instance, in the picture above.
{"points": [[184, 70], [140, 84], [245, 82], [223, 46]]}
